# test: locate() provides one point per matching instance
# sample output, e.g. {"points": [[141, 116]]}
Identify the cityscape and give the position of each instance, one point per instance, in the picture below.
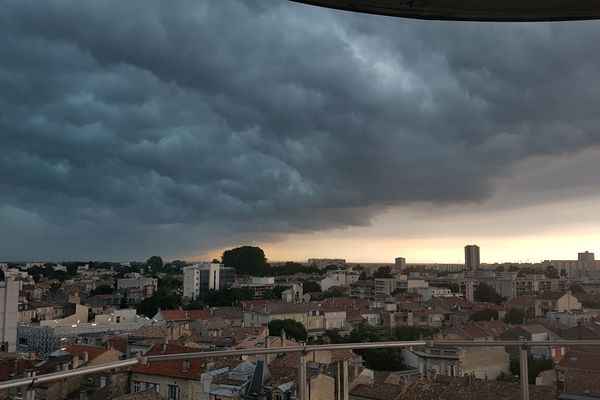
{"points": [[72, 315], [299, 200]]}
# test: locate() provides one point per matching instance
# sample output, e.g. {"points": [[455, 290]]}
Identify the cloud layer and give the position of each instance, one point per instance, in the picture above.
{"points": [[139, 127]]}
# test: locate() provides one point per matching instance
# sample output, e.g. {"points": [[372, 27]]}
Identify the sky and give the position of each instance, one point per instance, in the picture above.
{"points": [[129, 129]]}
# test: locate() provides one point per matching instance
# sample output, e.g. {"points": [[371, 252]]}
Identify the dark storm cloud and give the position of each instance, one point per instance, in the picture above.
{"points": [[130, 127]]}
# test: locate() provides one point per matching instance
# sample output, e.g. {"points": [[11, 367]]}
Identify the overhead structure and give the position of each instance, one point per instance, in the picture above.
{"points": [[472, 10]]}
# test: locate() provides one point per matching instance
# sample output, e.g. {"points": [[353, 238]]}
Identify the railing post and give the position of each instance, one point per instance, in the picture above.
{"points": [[302, 392], [524, 371]]}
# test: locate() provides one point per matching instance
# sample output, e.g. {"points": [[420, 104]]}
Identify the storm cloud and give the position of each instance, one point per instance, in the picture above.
{"points": [[141, 127]]}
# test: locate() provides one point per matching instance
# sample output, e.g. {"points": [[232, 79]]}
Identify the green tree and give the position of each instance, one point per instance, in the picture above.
{"points": [[383, 272], [407, 333], [576, 288], [310, 286], [102, 289], [514, 316], [196, 304], [551, 272], [485, 293], [484, 315], [155, 263], [293, 329], [377, 359], [247, 260]]}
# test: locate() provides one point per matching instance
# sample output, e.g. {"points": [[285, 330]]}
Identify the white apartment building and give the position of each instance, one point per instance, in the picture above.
{"points": [[200, 278], [9, 314]]}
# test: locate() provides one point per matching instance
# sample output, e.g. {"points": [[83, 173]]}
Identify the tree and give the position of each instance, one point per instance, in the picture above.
{"points": [[486, 294], [293, 329], [195, 304], [576, 288], [383, 272], [2, 278], [363, 276], [377, 359], [310, 286], [484, 315], [514, 316], [72, 269], [551, 272], [102, 289], [155, 263], [247, 260]]}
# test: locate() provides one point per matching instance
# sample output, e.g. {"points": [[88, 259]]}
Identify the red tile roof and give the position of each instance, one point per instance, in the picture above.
{"points": [[548, 295], [581, 361], [79, 350], [174, 369], [184, 315]]}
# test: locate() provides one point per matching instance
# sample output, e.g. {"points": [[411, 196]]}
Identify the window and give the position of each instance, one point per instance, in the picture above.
{"points": [[172, 392], [137, 386]]}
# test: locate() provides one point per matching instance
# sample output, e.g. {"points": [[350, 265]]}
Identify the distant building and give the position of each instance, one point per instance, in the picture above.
{"points": [[586, 266], [472, 257], [400, 264], [200, 278], [9, 313]]}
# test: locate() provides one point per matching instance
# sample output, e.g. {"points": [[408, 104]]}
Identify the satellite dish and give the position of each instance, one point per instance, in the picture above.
{"points": [[471, 10]]}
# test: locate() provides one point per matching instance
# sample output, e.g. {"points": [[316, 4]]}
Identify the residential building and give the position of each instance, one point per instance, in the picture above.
{"points": [[149, 284], [363, 289], [472, 261], [316, 317], [9, 314], [174, 380], [483, 363], [399, 264], [200, 278], [555, 301]]}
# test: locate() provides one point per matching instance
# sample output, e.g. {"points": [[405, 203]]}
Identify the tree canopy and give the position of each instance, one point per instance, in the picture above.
{"points": [[247, 260], [485, 293], [155, 263], [514, 316], [293, 329], [484, 315]]}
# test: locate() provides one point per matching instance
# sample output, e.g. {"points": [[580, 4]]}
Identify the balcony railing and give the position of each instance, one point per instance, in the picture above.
{"points": [[524, 345]]}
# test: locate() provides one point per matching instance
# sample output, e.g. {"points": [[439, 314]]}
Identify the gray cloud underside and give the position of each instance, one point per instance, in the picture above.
{"points": [[127, 127]]}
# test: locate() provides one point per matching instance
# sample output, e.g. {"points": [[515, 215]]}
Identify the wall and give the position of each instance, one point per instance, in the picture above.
{"points": [[484, 362]]}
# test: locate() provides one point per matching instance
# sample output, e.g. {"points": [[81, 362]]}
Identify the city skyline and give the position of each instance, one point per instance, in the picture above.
{"points": [[325, 134]]}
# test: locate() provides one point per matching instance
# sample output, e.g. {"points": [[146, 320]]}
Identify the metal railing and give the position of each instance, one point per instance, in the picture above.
{"points": [[524, 345]]}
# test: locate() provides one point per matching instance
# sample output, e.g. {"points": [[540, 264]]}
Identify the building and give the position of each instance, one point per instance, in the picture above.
{"points": [[555, 301], [482, 362], [400, 264], [141, 282], [44, 339], [585, 266], [316, 317], [200, 278], [472, 262], [9, 314]]}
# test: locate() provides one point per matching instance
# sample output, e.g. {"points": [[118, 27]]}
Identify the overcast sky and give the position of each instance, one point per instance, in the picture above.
{"points": [[135, 128]]}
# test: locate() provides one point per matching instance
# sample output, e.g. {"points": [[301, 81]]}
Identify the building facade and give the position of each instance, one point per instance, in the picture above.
{"points": [[472, 261], [9, 314]]}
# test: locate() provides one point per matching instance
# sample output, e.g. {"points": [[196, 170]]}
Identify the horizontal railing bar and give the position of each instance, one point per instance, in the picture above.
{"points": [[292, 349], [513, 343], [276, 350], [67, 374]]}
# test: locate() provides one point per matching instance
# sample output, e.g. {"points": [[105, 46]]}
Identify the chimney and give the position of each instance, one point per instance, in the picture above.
{"points": [[164, 347], [283, 338], [185, 366], [86, 356], [212, 310]]}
